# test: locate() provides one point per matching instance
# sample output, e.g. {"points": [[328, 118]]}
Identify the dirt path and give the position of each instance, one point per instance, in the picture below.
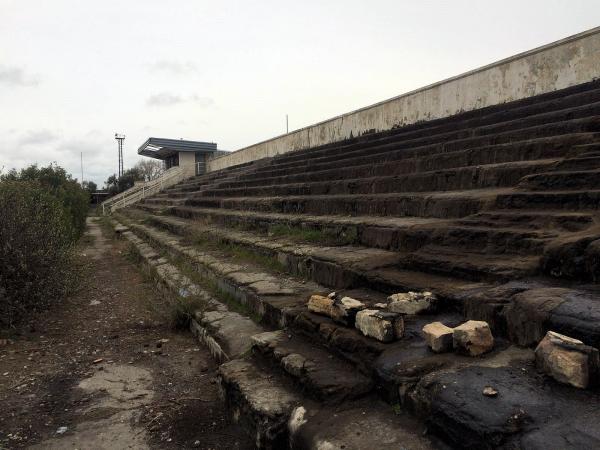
{"points": [[104, 369]]}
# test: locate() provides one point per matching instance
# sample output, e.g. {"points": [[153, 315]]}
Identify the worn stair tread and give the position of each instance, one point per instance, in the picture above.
{"points": [[365, 424], [547, 220], [467, 264], [352, 256], [307, 219], [529, 411], [262, 401], [374, 182], [320, 373], [413, 280], [272, 296]]}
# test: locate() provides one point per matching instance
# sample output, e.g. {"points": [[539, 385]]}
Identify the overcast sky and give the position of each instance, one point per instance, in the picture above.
{"points": [[74, 72]]}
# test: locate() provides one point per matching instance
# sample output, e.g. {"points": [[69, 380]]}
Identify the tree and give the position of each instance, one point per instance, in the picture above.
{"points": [[90, 186], [150, 169], [116, 185]]}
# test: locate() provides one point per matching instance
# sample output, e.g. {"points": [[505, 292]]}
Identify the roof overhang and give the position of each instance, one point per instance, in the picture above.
{"points": [[163, 148]]}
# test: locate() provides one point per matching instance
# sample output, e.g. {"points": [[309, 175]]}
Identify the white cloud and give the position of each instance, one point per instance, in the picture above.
{"points": [[172, 67], [169, 99], [16, 76], [37, 137], [163, 99]]}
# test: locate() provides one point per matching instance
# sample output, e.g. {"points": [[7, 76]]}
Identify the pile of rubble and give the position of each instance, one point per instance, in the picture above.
{"points": [[565, 359]]}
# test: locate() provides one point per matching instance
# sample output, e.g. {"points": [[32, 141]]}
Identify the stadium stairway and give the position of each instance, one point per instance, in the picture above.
{"points": [[495, 211]]}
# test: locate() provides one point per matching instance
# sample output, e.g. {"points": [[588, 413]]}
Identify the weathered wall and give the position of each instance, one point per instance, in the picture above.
{"points": [[564, 63], [187, 161]]}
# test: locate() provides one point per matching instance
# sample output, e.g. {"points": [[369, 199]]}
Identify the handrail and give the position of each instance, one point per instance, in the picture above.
{"points": [[136, 193]]}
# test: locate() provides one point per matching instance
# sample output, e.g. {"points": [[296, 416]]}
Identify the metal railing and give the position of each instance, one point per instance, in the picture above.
{"points": [[132, 195]]}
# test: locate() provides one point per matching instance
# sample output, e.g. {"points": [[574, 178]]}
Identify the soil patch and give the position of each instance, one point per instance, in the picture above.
{"points": [[103, 369]]}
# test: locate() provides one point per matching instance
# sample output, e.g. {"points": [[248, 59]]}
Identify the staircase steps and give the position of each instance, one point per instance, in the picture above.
{"points": [[495, 211], [310, 383], [402, 162], [471, 177]]}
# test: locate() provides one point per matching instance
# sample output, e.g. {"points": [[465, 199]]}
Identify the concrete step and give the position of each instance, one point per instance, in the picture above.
{"points": [[552, 221], [449, 204], [561, 180], [528, 412], [377, 232], [471, 177], [440, 144], [588, 200], [351, 266], [288, 395], [499, 231], [279, 418], [473, 266], [402, 162], [317, 372]]}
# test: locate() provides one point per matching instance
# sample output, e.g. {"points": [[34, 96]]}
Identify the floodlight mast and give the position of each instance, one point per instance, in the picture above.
{"points": [[120, 138]]}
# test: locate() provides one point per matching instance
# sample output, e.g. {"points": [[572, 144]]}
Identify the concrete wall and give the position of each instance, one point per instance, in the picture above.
{"points": [[187, 161], [564, 63]]}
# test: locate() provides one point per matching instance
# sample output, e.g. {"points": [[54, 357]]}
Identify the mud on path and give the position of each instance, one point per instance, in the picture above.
{"points": [[103, 369]]}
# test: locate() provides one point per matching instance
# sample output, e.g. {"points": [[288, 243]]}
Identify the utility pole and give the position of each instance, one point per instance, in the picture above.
{"points": [[287, 128], [82, 168], [120, 138]]}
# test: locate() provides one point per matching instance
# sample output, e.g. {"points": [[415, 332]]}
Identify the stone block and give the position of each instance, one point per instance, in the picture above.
{"points": [[320, 305], [344, 311], [438, 336], [567, 360], [294, 364], [411, 302], [473, 338], [380, 325]]}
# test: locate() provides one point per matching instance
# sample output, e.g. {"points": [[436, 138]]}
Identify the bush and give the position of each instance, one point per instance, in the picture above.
{"points": [[36, 237], [72, 197]]}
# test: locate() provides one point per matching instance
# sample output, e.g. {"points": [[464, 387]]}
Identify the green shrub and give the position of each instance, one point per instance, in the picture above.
{"points": [[72, 197], [36, 237]]}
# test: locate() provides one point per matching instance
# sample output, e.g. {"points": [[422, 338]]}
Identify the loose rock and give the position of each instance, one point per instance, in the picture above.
{"points": [[473, 338], [411, 302], [438, 336], [383, 326], [567, 360], [489, 391], [344, 311], [320, 305]]}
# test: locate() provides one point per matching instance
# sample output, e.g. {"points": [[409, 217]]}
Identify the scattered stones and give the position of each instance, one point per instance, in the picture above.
{"points": [[567, 360], [411, 302], [438, 336], [473, 338], [320, 305], [344, 311], [383, 326], [489, 391]]}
